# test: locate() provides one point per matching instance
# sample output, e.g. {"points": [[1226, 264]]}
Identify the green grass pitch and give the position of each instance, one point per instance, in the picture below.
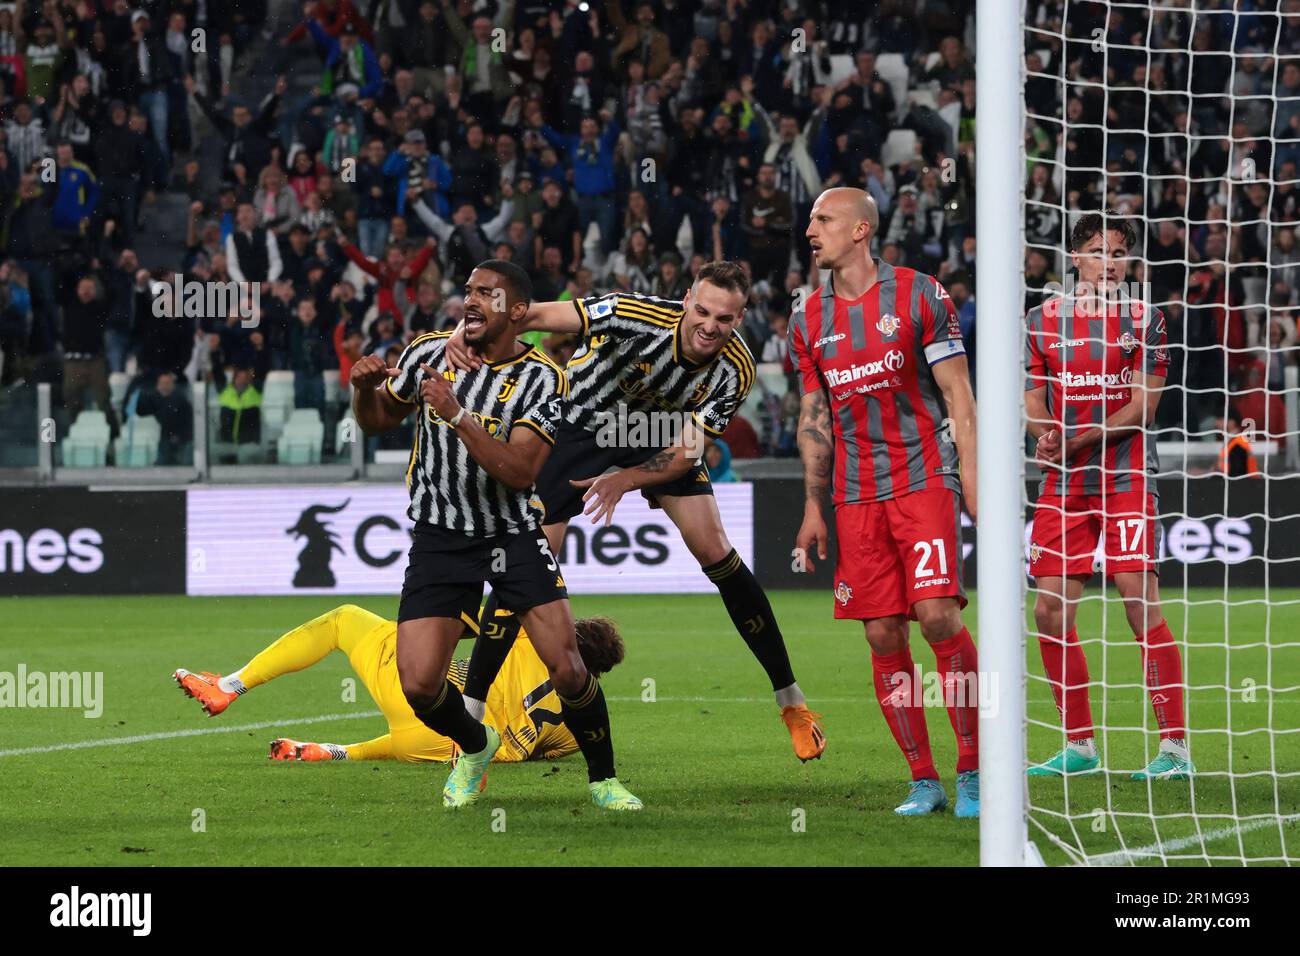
{"points": [[709, 755]]}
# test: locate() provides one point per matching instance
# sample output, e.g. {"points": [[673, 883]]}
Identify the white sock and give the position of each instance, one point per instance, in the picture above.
{"points": [[476, 708], [231, 683], [790, 696], [1085, 748], [1176, 746]]}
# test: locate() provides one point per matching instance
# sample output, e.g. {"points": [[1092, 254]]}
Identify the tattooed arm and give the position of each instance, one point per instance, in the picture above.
{"points": [[816, 448], [603, 492]]}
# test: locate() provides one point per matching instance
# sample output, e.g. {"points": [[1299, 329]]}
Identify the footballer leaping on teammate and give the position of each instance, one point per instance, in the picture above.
{"points": [[648, 355]]}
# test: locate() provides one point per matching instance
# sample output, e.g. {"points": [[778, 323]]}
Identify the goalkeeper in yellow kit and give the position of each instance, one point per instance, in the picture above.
{"points": [[521, 704]]}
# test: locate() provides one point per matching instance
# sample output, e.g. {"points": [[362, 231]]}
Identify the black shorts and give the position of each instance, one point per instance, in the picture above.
{"points": [[577, 455], [445, 571]]}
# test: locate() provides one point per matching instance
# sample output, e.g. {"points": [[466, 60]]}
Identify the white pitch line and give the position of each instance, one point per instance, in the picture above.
{"points": [[1120, 857], [325, 718], [172, 734]]}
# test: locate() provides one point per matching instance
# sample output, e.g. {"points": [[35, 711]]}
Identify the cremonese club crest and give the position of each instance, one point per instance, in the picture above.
{"points": [[843, 593], [888, 324]]}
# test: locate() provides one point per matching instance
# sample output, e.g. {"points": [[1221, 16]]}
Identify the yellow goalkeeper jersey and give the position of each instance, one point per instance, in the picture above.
{"points": [[521, 703], [522, 706]]}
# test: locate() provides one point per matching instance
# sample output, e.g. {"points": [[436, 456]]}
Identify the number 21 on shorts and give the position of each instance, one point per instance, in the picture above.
{"points": [[928, 550]]}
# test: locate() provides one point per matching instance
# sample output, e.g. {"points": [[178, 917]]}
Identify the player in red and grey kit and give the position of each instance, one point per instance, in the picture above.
{"points": [[887, 399], [1095, 366]]}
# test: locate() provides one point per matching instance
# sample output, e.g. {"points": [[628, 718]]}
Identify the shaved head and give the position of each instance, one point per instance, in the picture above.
{"points": [[856, 204], [843, 222]]}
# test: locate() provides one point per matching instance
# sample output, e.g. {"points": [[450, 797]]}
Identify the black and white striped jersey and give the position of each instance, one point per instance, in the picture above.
{"points": [[448, 487], [631, 354]]}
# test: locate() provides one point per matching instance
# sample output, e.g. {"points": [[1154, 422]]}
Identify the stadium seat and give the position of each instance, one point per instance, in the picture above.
{"points": [[900, 146], [771, 376], [893, 70], [1254, 290], [752, 410], [301, 440], [277, 403], [86, 444], [137, 445], [335, 393], [923, 97], [91, 417], [592, 252], [842, 67]]}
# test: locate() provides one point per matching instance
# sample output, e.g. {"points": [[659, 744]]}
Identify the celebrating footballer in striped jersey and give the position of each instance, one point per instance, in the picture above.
{"points": [[481, 438], [887, 399], [448, 486], [643, 356], [1095, 365]]}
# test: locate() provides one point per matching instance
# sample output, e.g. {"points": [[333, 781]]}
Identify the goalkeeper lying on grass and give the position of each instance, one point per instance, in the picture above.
{"points": [[521, 704]]}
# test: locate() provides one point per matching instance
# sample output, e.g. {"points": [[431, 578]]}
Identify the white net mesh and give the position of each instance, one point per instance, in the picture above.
{"points": [[1183, 120]]}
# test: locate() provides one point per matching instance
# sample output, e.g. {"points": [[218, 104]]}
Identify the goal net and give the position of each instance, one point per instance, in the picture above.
{"points": [[1180, 120]]}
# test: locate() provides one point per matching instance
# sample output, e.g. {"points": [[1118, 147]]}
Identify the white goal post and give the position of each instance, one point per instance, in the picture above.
{"points": [[1000, 487]]}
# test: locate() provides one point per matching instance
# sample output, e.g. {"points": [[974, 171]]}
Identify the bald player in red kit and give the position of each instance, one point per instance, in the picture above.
{"points": [[887, 398], [1095, 365]]}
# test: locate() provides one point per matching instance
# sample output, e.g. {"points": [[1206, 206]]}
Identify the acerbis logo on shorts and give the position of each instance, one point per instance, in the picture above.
{"points": [[843, 594], [931, 583]]}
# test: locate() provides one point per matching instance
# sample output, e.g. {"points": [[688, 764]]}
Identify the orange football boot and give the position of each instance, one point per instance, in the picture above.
{"points": [[805, 733], [203, 688], [282, 748]]}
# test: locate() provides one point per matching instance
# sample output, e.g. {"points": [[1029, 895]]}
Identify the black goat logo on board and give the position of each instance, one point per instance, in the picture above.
{"points": [[321, 543]]}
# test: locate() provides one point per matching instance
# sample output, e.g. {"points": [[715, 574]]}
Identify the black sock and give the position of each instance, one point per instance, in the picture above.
{"points": [[447, 716], [751, 612], [497, 635], [587, 718]]}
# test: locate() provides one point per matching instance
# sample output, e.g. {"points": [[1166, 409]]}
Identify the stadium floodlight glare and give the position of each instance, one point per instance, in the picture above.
{"points": [[1003, 830]]}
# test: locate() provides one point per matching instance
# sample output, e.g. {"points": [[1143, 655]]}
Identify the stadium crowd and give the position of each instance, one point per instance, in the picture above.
{"points": [[607, 144]]}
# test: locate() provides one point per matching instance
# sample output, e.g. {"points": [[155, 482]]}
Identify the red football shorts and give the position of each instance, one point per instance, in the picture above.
{"points": [[891, 554], [1067, 529]]}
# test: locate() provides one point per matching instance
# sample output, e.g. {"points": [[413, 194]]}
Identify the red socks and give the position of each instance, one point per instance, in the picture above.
{"points": [[1067, 670], [1163, 667], [899, 694], [958, 662]]}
